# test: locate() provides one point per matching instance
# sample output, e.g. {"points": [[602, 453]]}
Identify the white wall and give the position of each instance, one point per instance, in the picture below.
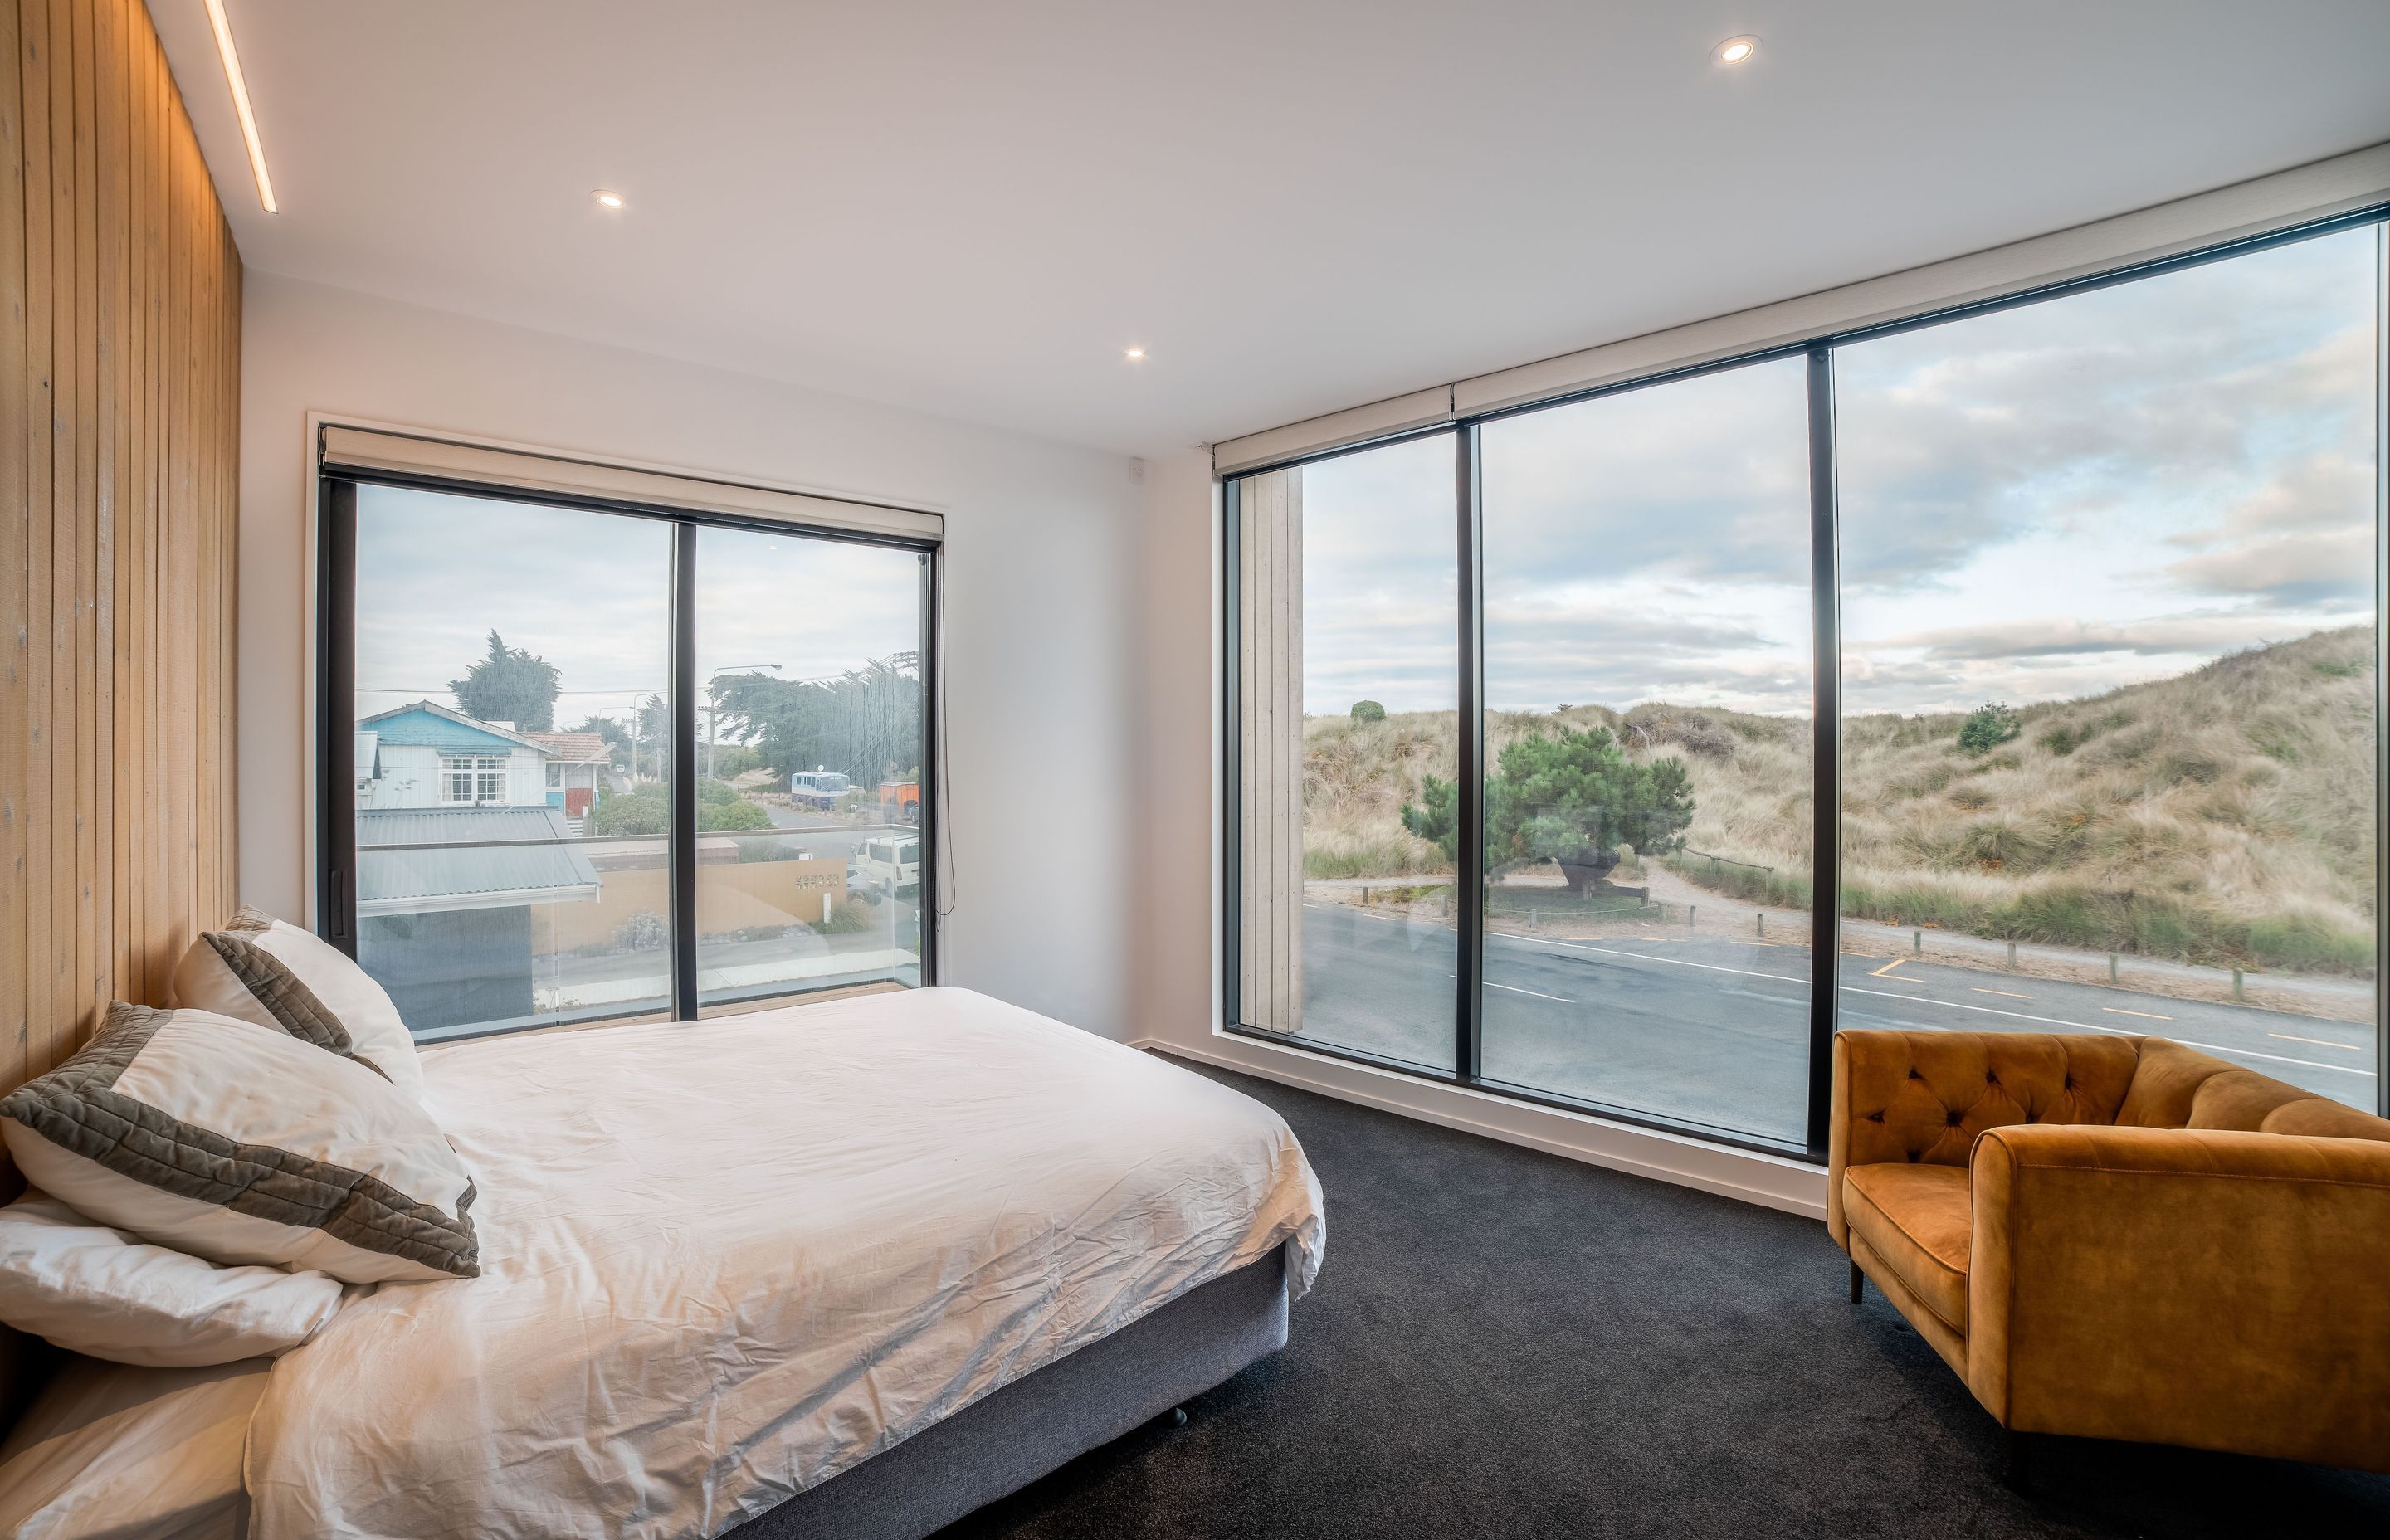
{"points": [[1042, 561], [1178, 957]]}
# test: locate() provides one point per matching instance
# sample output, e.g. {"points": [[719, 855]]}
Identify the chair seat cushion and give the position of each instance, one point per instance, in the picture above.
{"points": [[1918, 1219]]}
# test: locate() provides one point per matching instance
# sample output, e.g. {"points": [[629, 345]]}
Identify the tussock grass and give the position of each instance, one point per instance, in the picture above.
{"points": [[2223, 816]]}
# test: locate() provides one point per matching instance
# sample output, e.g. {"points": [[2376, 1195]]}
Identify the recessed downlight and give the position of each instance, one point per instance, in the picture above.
{"points": [[608, 197], [1134, 355], [1736, 50]]}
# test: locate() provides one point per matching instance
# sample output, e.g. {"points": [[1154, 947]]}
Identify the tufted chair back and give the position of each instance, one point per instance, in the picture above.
{"points": [[1927, 1103], [2180, 1088]]}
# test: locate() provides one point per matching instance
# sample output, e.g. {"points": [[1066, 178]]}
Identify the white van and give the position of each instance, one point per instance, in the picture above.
{"points": [[887, 863]]}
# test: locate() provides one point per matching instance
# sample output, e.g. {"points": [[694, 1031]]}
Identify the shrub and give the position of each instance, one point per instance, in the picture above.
{"points": [[1986, 727], [845, 919], [648, 811], [1365, 711], [643, 931]]}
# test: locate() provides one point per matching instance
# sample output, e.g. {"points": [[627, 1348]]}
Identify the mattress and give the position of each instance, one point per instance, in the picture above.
{"points": [[725, 1260]]}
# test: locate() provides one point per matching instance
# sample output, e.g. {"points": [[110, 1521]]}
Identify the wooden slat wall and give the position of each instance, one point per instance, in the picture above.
{"points": [[1269, 609], [120, 360]]}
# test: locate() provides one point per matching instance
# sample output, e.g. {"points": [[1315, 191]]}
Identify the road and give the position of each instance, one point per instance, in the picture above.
{"points": [[1716, 1032]]}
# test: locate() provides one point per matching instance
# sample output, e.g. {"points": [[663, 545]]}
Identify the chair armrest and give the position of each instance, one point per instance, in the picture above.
{"points": [[2216, 1288]]}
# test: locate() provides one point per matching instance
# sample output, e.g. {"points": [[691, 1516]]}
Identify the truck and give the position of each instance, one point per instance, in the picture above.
{"points": [[900, 801], [818, 789]]}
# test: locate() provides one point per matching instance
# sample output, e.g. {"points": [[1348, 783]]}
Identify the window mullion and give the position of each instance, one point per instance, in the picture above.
{"points": [[1826, 777], [1469, 875], [683, 842]]}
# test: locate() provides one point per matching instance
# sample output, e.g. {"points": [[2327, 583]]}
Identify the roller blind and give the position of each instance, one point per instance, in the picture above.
{"points": [[371, 451]]}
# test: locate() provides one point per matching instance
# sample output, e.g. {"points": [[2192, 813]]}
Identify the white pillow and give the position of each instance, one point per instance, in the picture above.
{"points": [[106, 1293], [242, 1144], [330, 985]]}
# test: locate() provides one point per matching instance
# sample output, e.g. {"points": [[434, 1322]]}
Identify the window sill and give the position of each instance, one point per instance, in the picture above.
{"points": [[1773, 1180]]}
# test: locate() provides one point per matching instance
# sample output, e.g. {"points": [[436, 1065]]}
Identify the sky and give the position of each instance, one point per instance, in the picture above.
{"points": [[591, 593], [2036, 504]]}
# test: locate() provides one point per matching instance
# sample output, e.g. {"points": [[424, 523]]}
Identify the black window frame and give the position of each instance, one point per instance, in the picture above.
{"points": [[1819, 351], [335, 696]]}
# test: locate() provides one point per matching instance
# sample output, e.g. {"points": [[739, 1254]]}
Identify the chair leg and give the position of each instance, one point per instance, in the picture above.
{"points": [[1858, 1279], [2019, 1460]]}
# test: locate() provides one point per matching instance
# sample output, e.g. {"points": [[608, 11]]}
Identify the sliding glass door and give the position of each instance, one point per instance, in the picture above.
{"points": [[1648, 689], [814, 746], [2109, 741], [611, 764], [2016, 669]]}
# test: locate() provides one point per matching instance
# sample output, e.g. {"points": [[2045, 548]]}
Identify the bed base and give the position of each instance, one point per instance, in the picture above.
{"points": [[1001, 1443]]}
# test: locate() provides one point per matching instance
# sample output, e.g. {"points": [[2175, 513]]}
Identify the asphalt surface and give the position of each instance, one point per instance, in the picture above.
{"points": [[1716, 1032]]}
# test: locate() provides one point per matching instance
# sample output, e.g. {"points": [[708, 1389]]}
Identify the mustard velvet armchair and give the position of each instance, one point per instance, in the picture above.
{"points": [[2120, 1237]]}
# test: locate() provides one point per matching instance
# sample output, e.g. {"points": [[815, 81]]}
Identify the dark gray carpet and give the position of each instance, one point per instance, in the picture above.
{"points": [[1507, 1344]]}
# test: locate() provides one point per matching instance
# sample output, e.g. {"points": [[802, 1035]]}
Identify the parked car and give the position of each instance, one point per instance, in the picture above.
{"points": [[888, 864]]}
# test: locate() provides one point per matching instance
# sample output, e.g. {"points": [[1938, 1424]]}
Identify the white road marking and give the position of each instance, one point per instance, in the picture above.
{"points": [[2145, 1015], [1516, 990], [2319, 1042], [2116, 1032], [1673, 962]]}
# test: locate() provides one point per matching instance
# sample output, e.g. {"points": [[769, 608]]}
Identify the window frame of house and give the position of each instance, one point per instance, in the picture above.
{"points": [[1827, 714], [337, 797], [484, 774]]}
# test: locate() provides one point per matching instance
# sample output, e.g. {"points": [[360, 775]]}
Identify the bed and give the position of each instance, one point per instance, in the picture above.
{"points": [[852, 1268]]}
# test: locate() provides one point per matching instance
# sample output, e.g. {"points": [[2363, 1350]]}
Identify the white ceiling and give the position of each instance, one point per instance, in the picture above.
{"points": [[971, 208]]}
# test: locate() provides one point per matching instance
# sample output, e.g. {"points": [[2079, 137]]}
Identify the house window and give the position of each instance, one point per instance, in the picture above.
{"points": [[2015, 669], [484, 908], [473, 779]]}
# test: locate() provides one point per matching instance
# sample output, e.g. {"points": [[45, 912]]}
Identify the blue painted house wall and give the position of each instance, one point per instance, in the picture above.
{"points": [[437, 732]]}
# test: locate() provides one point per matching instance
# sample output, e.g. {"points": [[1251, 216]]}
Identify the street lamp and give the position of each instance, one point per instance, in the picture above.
{"points": [[709, 704]]}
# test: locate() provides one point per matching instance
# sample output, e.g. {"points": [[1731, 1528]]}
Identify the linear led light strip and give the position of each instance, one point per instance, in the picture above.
{"points": [[222, 25]]}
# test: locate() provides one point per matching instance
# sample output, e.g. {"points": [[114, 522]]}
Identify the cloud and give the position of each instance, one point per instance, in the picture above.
{"points": [[2041, 502], [2304, 567], [2053, 635], [591, 593]]}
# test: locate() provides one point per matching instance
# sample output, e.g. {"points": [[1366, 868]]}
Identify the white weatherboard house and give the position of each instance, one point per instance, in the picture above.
{"points": [[429, 755], [459, 834]]}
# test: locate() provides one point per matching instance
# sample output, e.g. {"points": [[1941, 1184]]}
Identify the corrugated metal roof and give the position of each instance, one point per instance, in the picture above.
{"points": [[468, 864]]}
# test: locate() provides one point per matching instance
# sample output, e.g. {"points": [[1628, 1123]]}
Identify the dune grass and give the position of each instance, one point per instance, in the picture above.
{"points": [[2222, 817]]}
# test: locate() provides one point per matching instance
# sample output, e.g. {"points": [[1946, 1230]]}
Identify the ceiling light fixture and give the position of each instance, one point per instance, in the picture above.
{"points": [[611, 199], [1134, 355], [1736, 50], [222, 25]]}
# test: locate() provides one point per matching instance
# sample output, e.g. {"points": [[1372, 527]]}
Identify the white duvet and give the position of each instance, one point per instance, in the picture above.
{"points": [[722, 1262]]}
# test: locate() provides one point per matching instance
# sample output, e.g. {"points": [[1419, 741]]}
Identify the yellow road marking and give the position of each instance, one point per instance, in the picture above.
{"points": [[2319, 1042], [1888, 968], [2149, 1015], [2009, 993]]}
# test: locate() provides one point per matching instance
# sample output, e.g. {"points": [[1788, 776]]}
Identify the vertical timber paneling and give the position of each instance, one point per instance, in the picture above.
{"points": [[1269, 545], [119, 406], [120, 369]]}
